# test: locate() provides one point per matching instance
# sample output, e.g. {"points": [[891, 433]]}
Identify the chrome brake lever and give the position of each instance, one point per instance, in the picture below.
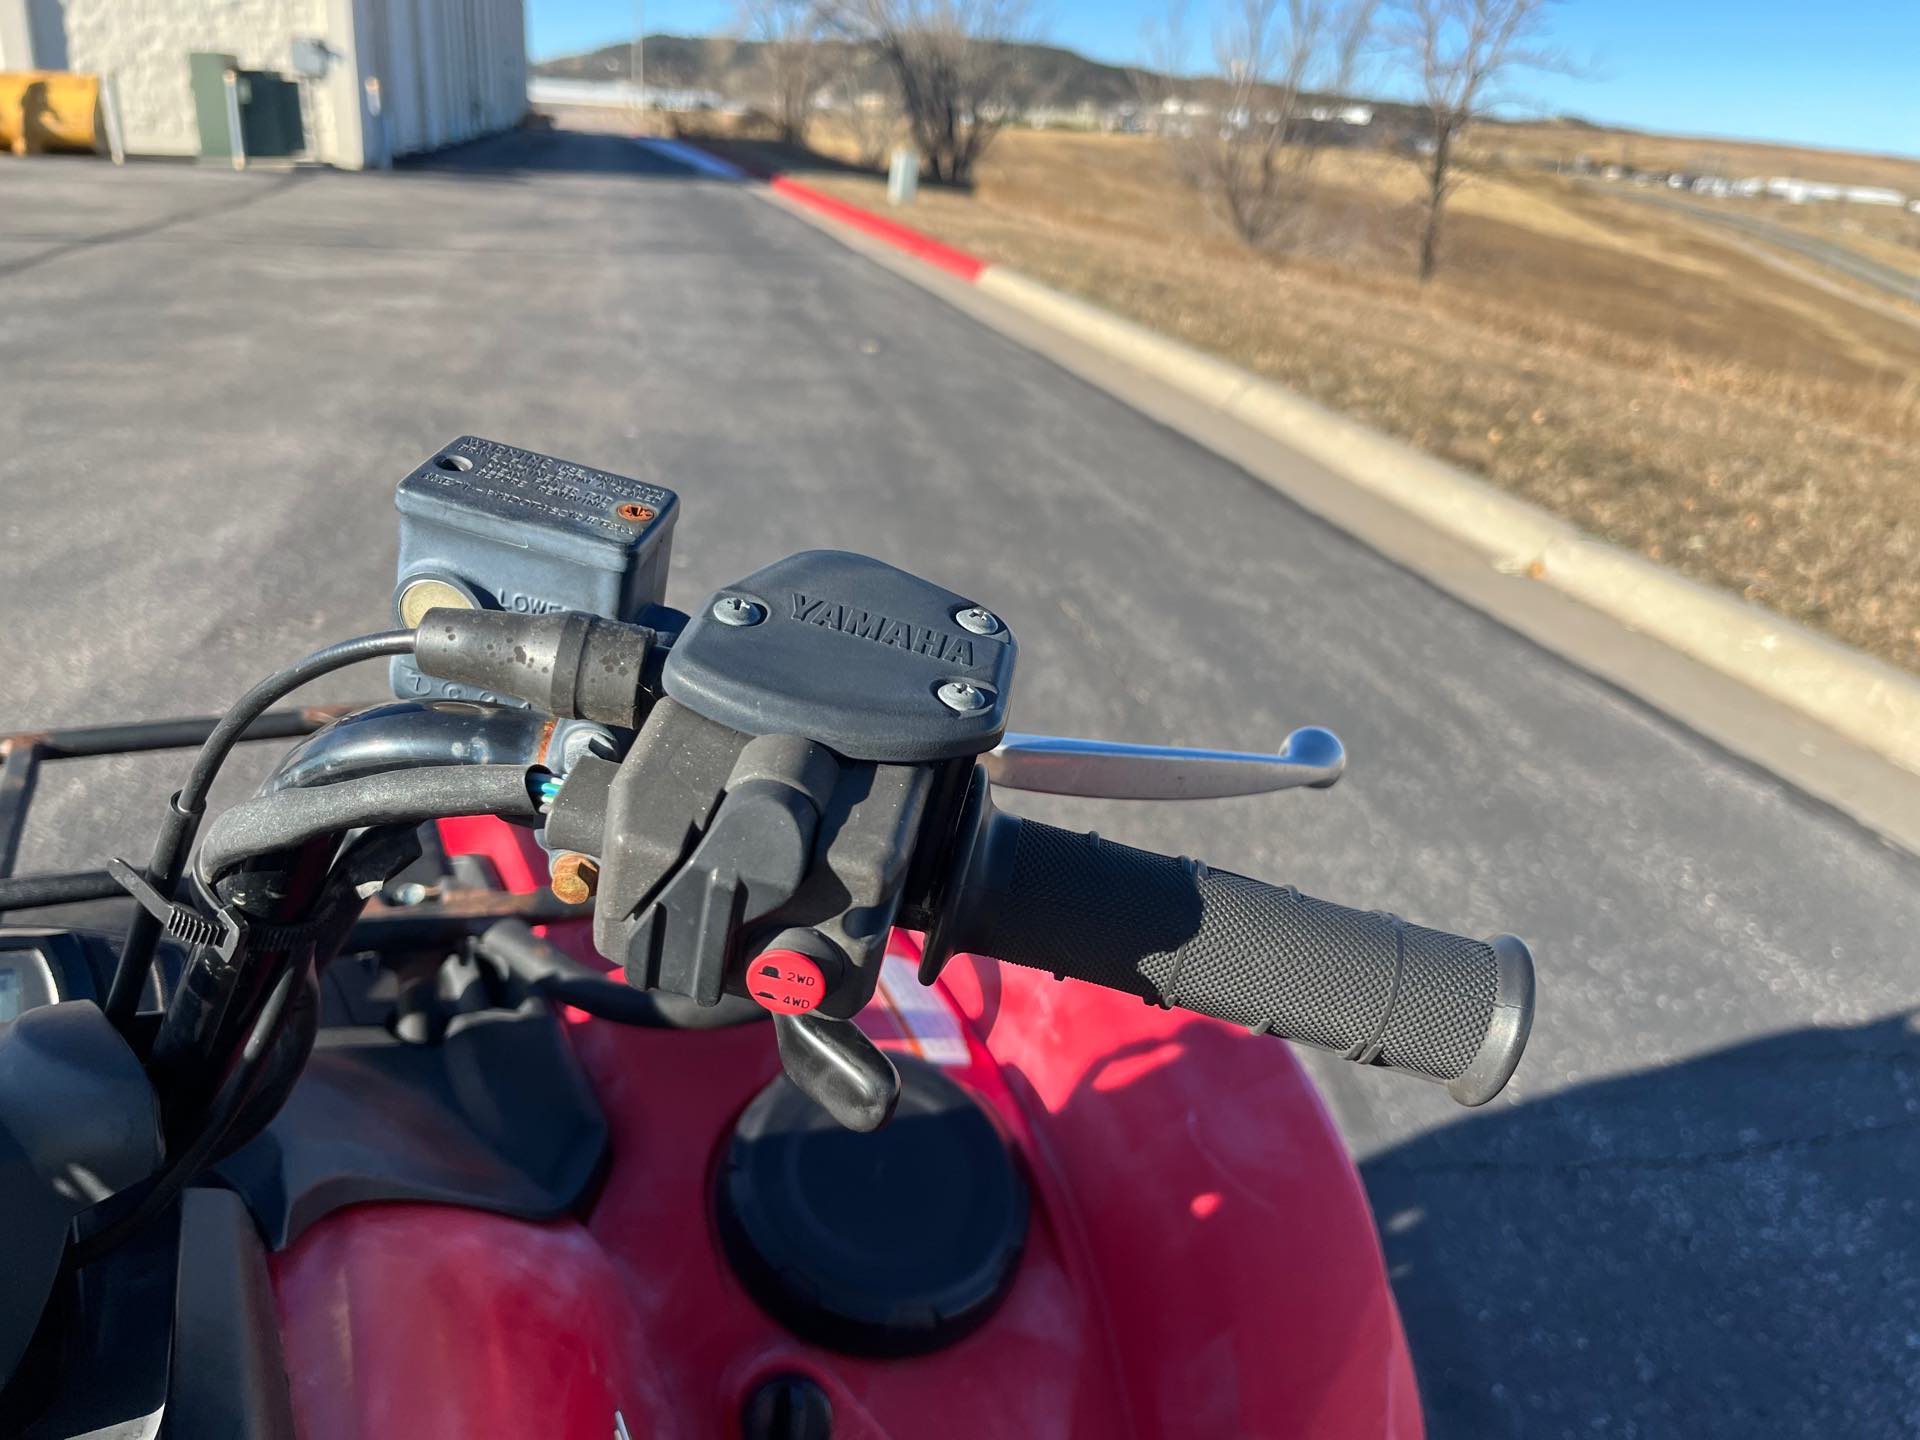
{"points": [[1107, 770]]}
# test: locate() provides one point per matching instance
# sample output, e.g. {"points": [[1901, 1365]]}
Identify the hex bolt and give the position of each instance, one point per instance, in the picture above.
{"points": [[575, 877], [980, 621], [964, 696], [738, 610]]}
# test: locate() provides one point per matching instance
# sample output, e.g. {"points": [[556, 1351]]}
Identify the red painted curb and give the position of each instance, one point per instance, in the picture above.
{"points": [[901, 237]]}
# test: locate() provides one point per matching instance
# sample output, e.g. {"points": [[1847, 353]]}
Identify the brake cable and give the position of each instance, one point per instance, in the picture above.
{"points": [[188, 805]]}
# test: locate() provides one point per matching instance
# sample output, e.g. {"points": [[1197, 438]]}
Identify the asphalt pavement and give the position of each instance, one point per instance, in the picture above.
{"points": [[1697, 1209]]}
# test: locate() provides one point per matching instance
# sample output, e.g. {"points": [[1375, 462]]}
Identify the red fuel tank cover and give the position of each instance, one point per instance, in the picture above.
{"points": [[786, 982]]}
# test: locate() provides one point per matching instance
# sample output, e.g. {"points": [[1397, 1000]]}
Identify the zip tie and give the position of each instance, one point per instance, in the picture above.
{"points": [[223, 932]]}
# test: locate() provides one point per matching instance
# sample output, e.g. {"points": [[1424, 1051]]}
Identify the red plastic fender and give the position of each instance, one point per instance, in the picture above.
{"points": [[1200, 1262]]}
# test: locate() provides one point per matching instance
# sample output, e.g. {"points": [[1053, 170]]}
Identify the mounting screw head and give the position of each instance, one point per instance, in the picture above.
{"points": [[738, 610], [964, 697], [581, 738], [980, 621]]}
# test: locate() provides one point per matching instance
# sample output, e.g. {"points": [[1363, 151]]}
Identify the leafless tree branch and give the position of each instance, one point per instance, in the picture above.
{"points": [[1462, 51], [791, 56], [1254, 153], [951, 62], [872, 111]]}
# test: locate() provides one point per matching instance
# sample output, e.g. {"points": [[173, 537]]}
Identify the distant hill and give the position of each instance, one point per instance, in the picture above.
{"points": [[1041, 76], [1044, 74]]}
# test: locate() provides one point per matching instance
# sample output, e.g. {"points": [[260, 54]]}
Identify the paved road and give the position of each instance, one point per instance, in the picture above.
{"points": [[1851, 263], [1697, 1211]]}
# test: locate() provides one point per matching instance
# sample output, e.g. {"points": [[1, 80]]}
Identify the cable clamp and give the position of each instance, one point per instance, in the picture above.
{"points": [[223, 932]]}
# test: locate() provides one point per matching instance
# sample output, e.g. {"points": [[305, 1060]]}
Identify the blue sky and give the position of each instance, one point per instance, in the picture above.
{"points": [[1844, 74]]}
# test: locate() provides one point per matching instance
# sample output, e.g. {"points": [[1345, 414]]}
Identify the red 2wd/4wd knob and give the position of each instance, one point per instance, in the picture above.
{"points": [[785, 982]]}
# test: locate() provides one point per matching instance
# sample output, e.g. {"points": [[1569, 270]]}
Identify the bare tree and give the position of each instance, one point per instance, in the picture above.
{"points": [[951, 62], [789, 33], [1463, 52], [1157, 88], [873, 115], [1253, 153]]}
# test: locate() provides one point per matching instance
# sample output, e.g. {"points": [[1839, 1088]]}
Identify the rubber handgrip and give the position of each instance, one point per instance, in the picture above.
{"points": [[1174, 932]]}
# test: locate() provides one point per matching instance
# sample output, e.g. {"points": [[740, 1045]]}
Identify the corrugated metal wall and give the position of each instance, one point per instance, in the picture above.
{"points": [[449, 70]]}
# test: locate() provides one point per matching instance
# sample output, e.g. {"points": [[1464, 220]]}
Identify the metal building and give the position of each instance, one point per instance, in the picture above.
{"points": [[352, 83]]}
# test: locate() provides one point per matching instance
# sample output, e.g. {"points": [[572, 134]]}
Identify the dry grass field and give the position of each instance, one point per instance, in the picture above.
{"points": [[1888, 234], [1632, 369]]}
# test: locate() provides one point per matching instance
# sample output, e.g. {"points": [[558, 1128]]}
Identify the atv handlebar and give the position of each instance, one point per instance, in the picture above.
{"points": [[1176, 933], [777, 771]]}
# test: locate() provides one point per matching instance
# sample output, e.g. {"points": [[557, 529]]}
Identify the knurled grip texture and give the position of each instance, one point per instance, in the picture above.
{"points": [[1174, 932]]}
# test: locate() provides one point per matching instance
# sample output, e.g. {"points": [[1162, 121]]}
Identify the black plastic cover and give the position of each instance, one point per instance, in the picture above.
{"points": [[78, 1123], [99, 1365], [229, 1374], [892, 1243], [849, 652], [497, 1116]]}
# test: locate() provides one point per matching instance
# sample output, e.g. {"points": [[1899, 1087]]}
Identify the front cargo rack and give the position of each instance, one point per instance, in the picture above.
{"points": [[448, 914]]}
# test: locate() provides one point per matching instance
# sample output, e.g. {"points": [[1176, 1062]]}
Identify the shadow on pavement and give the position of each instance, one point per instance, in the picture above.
{"points": [[763, 158], [1730, 1245], [220, 205], [514, 154]]}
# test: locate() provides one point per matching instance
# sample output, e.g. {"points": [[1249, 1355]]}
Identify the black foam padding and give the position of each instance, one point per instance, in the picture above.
{"points": [[891, 1243], [1177, 933]]}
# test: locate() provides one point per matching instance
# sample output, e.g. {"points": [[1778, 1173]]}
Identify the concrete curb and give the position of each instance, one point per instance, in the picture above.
{"points": [[1863, 699], [901, 237]]}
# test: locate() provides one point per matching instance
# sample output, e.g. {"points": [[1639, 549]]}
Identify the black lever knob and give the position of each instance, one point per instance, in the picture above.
{"points": [[839, 1068]]}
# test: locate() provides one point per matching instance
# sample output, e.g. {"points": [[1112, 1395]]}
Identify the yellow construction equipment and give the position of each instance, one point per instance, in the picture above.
{"points": [[42, 110]]}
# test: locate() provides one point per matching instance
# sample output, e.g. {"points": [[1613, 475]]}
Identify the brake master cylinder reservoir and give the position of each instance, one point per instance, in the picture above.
{"points": [[487, 526]]}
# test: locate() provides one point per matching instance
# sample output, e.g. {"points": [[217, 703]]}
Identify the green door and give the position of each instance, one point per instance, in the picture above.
{"points": [[207, 74]]}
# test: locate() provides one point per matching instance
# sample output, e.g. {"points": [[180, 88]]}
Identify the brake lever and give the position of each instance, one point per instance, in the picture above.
{"points": [[1109, 770]]}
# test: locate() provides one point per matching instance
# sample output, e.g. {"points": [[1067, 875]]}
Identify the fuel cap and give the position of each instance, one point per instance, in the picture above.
{"points": [[896, 1242]]}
